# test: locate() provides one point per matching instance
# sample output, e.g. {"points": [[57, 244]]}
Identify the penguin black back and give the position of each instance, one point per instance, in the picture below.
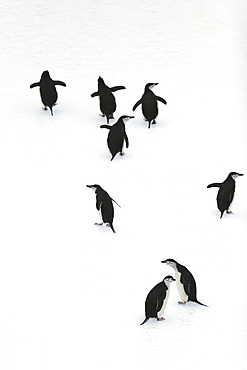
{"points": [[106, 98], [48, 90], [149, 103], [117, 136], [226, 192]]}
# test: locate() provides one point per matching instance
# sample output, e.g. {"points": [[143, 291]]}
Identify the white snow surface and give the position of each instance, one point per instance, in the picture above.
{"points": [[71, 293]]}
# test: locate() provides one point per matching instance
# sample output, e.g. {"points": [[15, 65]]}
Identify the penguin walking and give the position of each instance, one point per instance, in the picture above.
{"points": [[107, 100], [157, 298], [104, 205], [149, 103], [226, 192], [185, 281], [48, 90], [117, 136]]}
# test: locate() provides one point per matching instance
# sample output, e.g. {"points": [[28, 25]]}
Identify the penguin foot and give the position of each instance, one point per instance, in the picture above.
{"points": [[122, 153], [154, 122], [44, 108], [98, 223], [181, 302], [229, 212], [160, 319], [101, 115]]}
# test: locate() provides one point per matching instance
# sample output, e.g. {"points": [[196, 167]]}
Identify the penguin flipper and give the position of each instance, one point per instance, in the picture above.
{"points": [[116, 88], [106, 126], [95, 94], [136, 104], [126, 140], [61, 83], [160, 99], [215, 185], [35, 84]]}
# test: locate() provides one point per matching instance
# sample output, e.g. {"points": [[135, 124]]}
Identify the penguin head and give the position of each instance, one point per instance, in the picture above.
{"points": [[126, 118], [94, 187], [234, 175], [168, 280], [150, 85], [170, 262], [45, 74], [101, 81]]}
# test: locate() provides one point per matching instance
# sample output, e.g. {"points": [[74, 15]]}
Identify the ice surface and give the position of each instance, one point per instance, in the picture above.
{"points": [[72, 294]]}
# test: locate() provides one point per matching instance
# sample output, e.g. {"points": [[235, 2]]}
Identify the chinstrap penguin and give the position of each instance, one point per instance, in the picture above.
{"points": [[107, 100], [226, 192], [117, 136], [104, 205], [156, 300], [149, 104], [185, 282], [48, 90]]}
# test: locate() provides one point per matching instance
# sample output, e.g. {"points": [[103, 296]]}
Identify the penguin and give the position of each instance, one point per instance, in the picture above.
{"points": [[157, 298], [185, 281], [149, 103], [48, 90], [104, 205], [107, 100], [226, 192], [117, 136]]}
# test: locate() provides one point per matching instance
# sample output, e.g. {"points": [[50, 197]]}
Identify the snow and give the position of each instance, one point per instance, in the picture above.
{"points": [[72, 293]]}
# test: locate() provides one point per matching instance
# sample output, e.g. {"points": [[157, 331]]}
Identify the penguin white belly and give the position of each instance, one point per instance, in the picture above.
{"points": [[180, 287], [160, 313]]}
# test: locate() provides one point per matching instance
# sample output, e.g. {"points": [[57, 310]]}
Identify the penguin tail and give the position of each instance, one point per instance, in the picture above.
{"points": [[111, 226], [149, 124], [221, 215], [202, 304], [51, 110], [146, 319]]}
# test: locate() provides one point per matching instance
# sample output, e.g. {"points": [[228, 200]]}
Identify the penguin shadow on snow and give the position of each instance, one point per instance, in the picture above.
{"points": [[117, 136], [226, 192], [48, 92]]}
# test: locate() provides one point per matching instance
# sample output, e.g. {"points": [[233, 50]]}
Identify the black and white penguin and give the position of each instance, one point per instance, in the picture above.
{"points": [[185, 281], [117, 136], [157, 298], [48, 90], [107, 100], [149, 104], [226, 192], [104, 205]]}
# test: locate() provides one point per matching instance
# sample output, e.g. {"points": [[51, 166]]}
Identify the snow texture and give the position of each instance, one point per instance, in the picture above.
{"points": [[71, 293]]}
